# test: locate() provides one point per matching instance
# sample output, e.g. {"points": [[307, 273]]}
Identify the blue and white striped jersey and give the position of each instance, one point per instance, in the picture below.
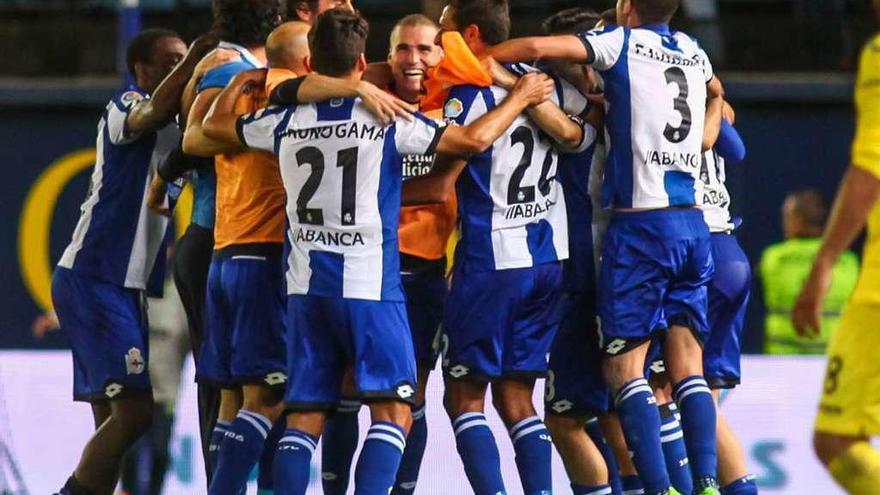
{"points": [[342, 171], [655, 92], [117, 238], [511, 206]]}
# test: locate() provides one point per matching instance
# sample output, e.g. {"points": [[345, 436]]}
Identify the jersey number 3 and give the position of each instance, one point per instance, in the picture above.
{"points": [[674, 75], [346, 160]]}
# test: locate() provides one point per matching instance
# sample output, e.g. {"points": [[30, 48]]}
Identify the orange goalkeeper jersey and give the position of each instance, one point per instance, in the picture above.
{"points": [[425, 230], [250, 194]]}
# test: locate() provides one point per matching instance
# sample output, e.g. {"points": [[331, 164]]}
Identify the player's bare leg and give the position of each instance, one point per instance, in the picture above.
{"points": [[100, 412], [130, 417], [731, 458], [583, 461], [614, 436], [684, 366]]}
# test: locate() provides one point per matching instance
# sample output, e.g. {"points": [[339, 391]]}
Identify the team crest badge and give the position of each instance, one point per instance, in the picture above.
{"points": [[336, 102], [129, 98], [134, 362], [453, 109]]}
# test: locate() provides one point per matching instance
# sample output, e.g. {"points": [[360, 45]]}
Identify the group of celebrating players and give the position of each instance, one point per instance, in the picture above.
{"points": [[593, 223]]}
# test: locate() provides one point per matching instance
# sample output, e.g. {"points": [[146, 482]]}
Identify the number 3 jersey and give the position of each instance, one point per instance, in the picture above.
{"points": [[511, 205], [655, 92], [342, 173]]}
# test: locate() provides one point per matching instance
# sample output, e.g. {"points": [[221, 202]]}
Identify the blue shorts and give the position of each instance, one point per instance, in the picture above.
{"points": [[656, 269], [107, 328], [728, 299], [500, 324], [328, 336], [425, 298], [244, 322], [575, 384]]}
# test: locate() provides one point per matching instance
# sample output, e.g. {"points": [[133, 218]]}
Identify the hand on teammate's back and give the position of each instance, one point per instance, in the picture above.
{"points": [[534, 88], [383, 105]]}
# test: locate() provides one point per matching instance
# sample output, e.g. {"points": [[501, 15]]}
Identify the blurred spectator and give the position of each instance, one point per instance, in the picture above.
{"points": [[144, 468], [784, 268]]}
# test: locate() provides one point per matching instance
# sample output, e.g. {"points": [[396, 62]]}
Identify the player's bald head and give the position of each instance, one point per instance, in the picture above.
{"points": [[288, 46]]}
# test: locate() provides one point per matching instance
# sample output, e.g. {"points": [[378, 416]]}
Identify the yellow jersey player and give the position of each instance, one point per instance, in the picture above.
{"points": [[849, 411]]}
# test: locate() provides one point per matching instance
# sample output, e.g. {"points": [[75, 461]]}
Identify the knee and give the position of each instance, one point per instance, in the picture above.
{"points": [[513, 408], [395, 412], [828, 447], [562, 428]]}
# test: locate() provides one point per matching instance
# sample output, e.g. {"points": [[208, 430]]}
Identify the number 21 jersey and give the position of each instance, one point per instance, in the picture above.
{"points": [[342, 173], [655, 95]]}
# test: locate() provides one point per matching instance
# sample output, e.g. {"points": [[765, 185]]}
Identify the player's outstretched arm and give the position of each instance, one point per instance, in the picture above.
{"points": [[164, 103], [220, 123], [531, 89], [565, 47], [195, 141], [856, 198], [316, 88]]}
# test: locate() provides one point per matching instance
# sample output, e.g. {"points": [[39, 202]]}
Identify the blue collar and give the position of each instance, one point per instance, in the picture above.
{"points": [[660, 28]]}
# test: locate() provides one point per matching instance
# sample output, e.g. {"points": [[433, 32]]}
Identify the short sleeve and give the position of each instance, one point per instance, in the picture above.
{"points": [[219, 77], [419, 136], [264, 128], [466, 104], [866, 147], [604, 46], [117, 116], [570, 99], [589, 136]]}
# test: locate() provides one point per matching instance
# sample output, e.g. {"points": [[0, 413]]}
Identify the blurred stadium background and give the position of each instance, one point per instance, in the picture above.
{"points": [[788, 67]]}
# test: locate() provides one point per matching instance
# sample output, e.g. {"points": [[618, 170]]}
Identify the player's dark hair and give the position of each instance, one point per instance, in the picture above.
{"points": [[809, 205], [655, 11], [140, 49], [337, 40], [570, 21], [609, 17], [491, 16], [246, 22], [293, 5]]}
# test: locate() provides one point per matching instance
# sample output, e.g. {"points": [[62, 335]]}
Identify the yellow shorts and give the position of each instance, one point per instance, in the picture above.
{"points": [[850, 403]]}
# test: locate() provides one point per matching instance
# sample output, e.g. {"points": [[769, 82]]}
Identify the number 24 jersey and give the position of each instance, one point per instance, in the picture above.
{"points": [[342, 173], [654, 82]]}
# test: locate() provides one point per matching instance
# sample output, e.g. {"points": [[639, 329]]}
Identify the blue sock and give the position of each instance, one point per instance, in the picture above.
{"points": [[632, 485], [594, 429], [240, 451], [416, 441], [265, 475], [380, 459], [534, 451], [743, 486], [479, 453], [591, 490], [698, 422], [674, 449], [293, 462], [217, 436], [640, 419], [339, 443]]}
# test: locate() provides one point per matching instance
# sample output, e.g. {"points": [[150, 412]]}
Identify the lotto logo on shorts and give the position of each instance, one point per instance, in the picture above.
{"points": [[134, 362], [562, 406], [112, 390], [273, 379], [615, 346], [405, 391], [459, 371]]}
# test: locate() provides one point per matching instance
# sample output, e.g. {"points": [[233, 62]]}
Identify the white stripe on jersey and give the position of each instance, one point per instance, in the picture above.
{"points": [[714, 199], [85, 217]]}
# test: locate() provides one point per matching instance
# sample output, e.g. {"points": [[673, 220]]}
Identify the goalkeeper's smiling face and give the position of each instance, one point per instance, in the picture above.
{"points": [[412, 52]]}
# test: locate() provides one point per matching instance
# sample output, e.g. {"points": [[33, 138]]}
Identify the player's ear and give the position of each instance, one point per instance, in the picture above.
{"points": [[471, 34], [307, 62], [362, 63]]}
